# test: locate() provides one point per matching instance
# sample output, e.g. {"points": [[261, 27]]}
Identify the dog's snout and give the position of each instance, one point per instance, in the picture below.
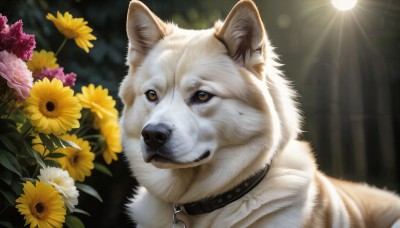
{"points": [[155, 135]]}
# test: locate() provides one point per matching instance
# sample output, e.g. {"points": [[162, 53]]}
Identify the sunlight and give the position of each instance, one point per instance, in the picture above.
{"points": [[344, 5]]}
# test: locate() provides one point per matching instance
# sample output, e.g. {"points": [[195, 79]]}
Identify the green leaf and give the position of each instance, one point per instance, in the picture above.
{"points": [[10, 162], [67, 143], [38, 158], [73, 222], [47, 142], [29, 138], [27, 149], [56, 155], [52, 163], [8, 124], [6, 224], [80, 211], [6, 176], [8, 144], [56, 141], [18, 116], [26, 126], [17, 186], [89, 190], [102, 168], [8, 196]]}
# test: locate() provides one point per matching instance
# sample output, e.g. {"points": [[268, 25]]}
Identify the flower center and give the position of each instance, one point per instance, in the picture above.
{"points": [[74, 159], [57, 181], [38, 209], [50, 106], [49, 109]]}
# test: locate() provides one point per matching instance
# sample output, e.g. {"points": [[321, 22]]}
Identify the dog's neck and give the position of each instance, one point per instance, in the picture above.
{"points": [[211, 204], [227, 170]]}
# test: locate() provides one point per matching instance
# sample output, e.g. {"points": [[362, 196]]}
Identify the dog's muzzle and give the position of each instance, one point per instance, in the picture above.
{"points": [[158, 147], [155, 136]]}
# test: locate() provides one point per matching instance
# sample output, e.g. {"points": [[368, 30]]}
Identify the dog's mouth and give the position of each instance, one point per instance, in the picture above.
{"points": [[161, 161]]}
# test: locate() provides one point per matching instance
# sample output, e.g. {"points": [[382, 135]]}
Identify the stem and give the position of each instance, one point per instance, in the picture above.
{"points": [[44, 152], [96, 150], [28, 131], [61, 46], [7, 100], [11, 109], [36, 171], [25, 170], [82, 130], [82, 124], [91, 136], [5, 208], [84, 116], [98, 153], [3, 90]]}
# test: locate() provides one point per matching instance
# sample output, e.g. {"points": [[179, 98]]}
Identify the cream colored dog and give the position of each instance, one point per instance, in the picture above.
{"points": [[210, 127]]}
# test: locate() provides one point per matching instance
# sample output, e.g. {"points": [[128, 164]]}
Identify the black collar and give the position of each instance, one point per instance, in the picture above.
{"points": [[219, 201]]}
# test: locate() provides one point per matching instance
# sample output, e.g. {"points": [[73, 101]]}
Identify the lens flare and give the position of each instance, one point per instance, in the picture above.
{"points": [[344, 5]]}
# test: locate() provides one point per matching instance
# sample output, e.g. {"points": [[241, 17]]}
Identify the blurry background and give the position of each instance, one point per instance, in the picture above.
{"points": [[345, 66]]}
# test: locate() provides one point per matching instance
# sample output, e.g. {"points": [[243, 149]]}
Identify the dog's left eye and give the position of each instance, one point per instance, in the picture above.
{"points": [[202, 97], [151, 95]]}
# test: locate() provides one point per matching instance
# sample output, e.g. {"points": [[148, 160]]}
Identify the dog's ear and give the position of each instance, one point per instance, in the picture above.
{"points": [[242, 32], [144, 30]]}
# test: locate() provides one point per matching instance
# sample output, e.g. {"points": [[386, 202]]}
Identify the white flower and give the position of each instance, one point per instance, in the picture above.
{"points": [[63, 183]]}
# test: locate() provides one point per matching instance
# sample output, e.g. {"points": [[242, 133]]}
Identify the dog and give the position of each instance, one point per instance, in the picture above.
{"points": [[210, 127]]}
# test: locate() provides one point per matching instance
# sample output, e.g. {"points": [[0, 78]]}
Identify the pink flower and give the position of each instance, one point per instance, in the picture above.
{"points": [[13, 39], [67, 79], [3, 23], [16, 73]]}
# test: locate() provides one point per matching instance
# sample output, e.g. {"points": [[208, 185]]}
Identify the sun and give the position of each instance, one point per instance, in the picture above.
{"points": [[344, 5]]}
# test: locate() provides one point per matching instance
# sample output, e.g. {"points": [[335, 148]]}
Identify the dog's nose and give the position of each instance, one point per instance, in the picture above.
{"points": [[155, 135]]}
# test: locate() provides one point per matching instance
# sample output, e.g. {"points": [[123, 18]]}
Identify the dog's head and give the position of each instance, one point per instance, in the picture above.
{"points": [[203, 97]]}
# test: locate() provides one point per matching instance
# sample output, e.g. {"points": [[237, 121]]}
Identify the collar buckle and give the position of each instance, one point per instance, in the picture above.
{"points": [[177, 210]]}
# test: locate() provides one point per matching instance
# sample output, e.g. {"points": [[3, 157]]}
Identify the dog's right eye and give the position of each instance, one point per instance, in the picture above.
{"points": [[201, 97], [151, 95]]}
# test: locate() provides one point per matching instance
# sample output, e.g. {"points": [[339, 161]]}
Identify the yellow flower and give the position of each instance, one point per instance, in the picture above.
{"points": [[111, 133], [41, 205], [40, 60], [99, 102], [73, 28], [52, 108], [78, 162]]}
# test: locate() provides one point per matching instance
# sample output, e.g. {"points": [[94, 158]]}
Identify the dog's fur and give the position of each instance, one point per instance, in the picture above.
{"points": [[245, 118]]}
